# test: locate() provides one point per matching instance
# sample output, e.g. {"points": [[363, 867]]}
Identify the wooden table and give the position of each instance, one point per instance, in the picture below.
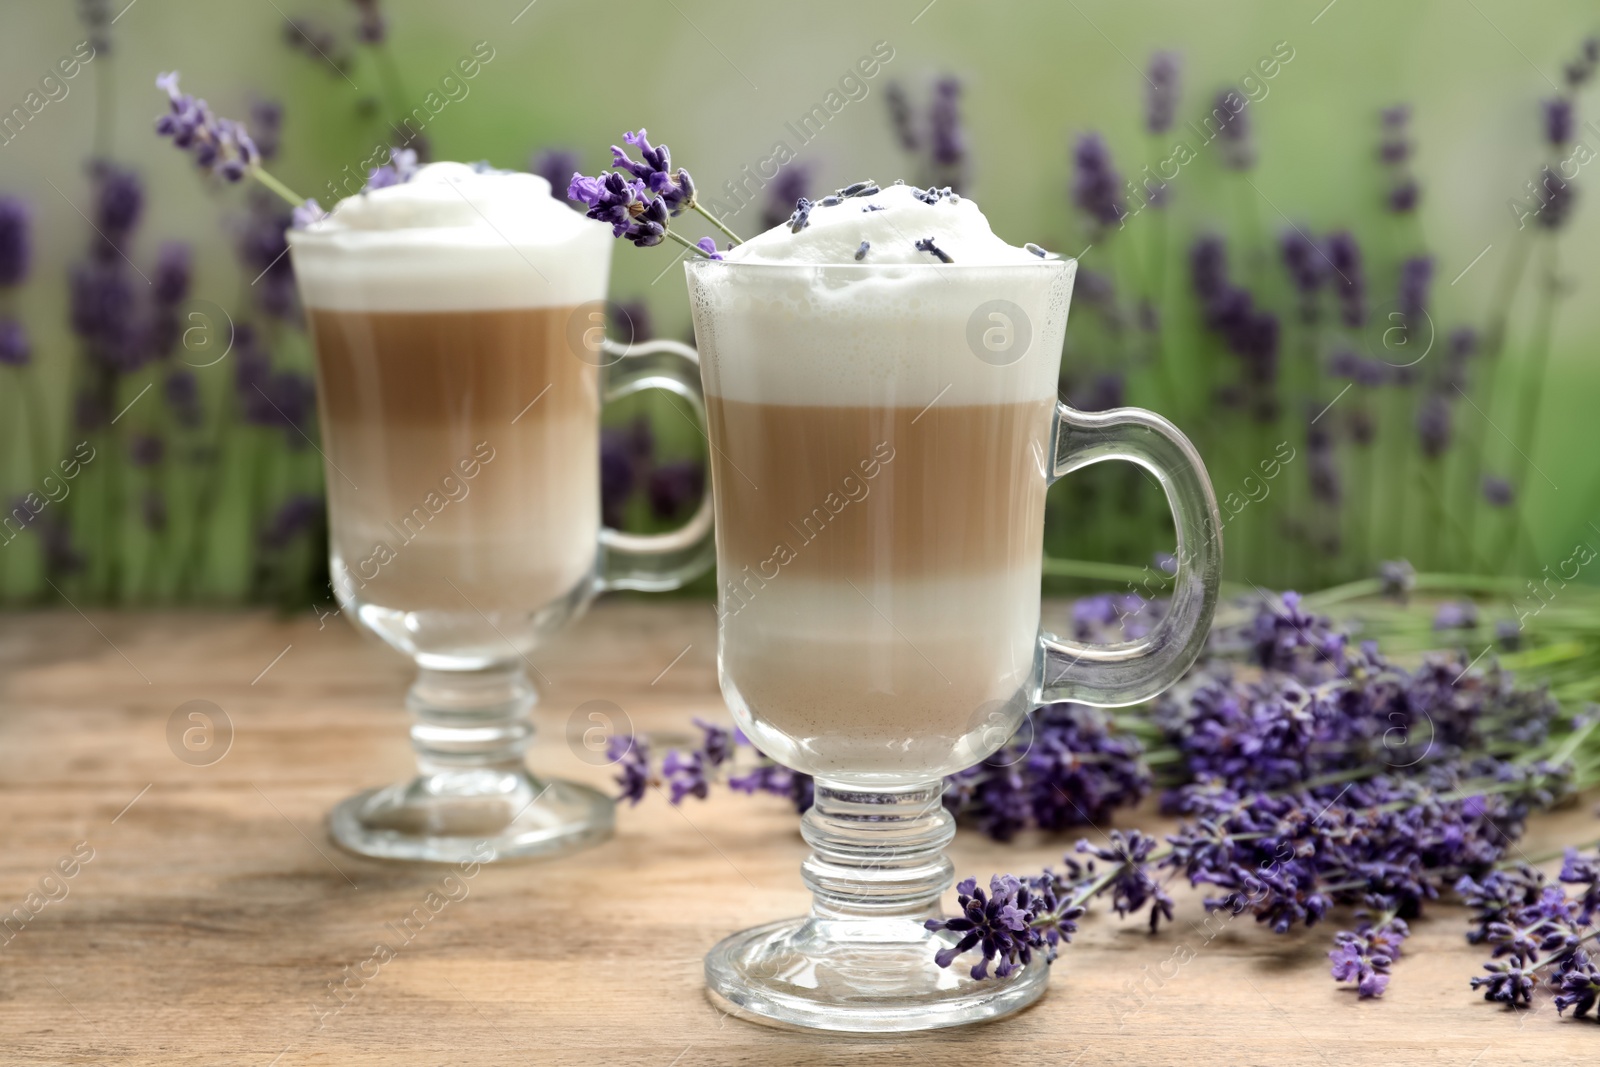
{"points": [[215, 915]]}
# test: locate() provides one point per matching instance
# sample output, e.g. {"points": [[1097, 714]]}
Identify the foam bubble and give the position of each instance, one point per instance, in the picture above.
{"points": [[452, 238]]}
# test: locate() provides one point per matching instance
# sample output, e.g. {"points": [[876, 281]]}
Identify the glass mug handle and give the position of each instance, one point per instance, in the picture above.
{"points": [[1110, 676], [654, 563]]}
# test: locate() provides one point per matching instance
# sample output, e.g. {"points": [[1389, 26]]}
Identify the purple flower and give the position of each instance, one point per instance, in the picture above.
{"points": [[624, 203], [1433, 425], [1001, 924], [1399, 578], [1583, 871], [1556, 196], [1344, 255], [1133, 885], [1208, 267], [146, 450], [1303, 261], [174, 264], [15, 349], [1509, 981], [900, 116], [1558, 121], [1403, 196], [306, 214], [260, 244], [219, 145], [631, 756], [676, 488], [554, 165], [948, 145], [1233, 129], [16, 241], [266, 126], [1577, 988], [787, 189], [1356, 961], [1096, 185], [709, 247], [1498, 492], [1161, 92], [294, 517], [617, 477], [402, 166], [1456, 615], [371, 29], [119, 202], [674, 191], [631, 322]]}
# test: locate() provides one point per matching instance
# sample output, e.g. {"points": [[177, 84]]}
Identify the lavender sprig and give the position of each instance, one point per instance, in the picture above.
{"points": [[219, 145], [639, 196]]}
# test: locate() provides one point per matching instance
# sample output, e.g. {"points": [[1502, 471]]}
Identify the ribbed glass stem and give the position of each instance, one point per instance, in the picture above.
{"points": [[471, 720], [877, 853]]}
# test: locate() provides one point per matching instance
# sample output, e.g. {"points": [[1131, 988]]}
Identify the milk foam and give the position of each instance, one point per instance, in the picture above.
{"points": [[891, 221], [452, 238], [794, 318]]}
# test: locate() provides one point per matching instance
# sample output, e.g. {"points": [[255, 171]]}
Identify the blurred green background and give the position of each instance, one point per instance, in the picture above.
{"points": [[719, 81]]}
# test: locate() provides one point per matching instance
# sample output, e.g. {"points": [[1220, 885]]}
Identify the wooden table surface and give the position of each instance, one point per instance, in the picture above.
{"points": [[215, 915]]}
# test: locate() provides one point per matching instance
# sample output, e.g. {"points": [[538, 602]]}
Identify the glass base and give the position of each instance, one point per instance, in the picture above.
{"points": [[472, 816], [859, 976]]}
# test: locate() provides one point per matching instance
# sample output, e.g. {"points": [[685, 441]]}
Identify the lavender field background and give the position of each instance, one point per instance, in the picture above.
{"points": [[1362, 282]]}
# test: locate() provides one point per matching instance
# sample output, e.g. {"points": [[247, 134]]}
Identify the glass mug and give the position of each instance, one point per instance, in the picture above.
{"points": [[460, 426], [882, 439]]}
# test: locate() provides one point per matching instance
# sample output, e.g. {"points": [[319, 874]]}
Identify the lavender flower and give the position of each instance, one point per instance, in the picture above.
{"points": [[1433, 425], [1344, 255], [1132, 886], [118, 205], [900, 116], [1304, 262], [146, 450], [1456, 615], [15, 349], [16, 241], [1556, 196], [1233, 130], [316, 42], [1509, 981], [556, 165], [787, 189], [293, 517], [948, 146], [1363, 958], [1161, 93], [675, 488], [1558, 121], [627, 205], [1399, 579], [402, 166], [182, 391], [372, 28], [1001, 924], [219, 145], [1097, 187], [631, 756], [675, 191], [1498, 491], [266, 127], [260, 243], [1403, 196], [174, 266]]}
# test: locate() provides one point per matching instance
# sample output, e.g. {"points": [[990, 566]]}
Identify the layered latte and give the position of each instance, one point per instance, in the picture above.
{"points": [[459, 420], [880, 428]]}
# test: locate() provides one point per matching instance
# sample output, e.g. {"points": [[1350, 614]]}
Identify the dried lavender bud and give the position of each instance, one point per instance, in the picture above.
{"points": [[927, 245], [1161, 92], [792, 183], [1498, 492], [949, 147], [861, 253], [1233, 130], [1037, 250], [556, 166], [830, 201], [801, 217], [1344, 255], [873, 207], [866, 188], [15, 350], [16, 241]]}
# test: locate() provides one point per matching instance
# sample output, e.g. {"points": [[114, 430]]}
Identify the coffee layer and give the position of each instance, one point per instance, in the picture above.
{"points": [[463, 452], [864, 493]]}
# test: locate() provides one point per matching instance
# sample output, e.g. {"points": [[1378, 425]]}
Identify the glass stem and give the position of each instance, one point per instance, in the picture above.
{"points": [[877, 853], [471, 720]]}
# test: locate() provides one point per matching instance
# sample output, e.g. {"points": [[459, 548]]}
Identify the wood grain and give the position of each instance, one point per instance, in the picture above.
{"points": [[215, 914]]}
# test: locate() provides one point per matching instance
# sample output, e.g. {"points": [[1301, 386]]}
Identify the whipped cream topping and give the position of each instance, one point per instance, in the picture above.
{"points": [[798, 317], [900, 224], [454, 237]]}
